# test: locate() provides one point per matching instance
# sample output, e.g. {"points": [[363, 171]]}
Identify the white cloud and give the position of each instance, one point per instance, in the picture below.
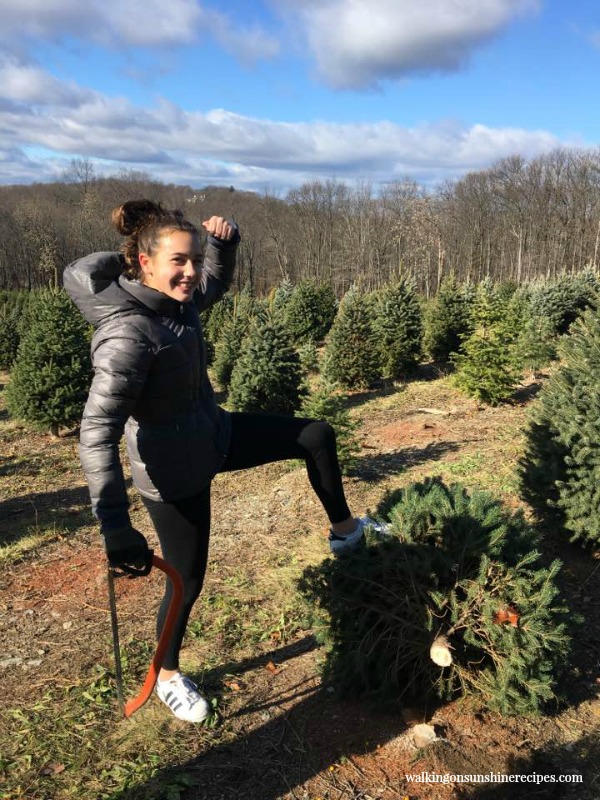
{"points": [[136, 22], [27, 83], [38, 111], [153, 22], [143, 23], [357, 44]]}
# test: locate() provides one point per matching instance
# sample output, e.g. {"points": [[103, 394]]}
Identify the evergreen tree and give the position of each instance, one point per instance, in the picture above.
{"points": [[9, 337], [213, 319], [14, 301], [398, 327], [233, 332], [281, 295], [561, 302], [453, 599], [351, 351], [310, 311], [448, 319], [50, 378], [485, 363], [26, 305], [560, 472], [506, 290], [267, 376], [585, 289], [326, 403], [309, 357], [536, 344]]}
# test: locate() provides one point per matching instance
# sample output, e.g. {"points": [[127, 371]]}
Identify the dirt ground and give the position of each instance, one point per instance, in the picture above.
{"points": [[282, 732]]}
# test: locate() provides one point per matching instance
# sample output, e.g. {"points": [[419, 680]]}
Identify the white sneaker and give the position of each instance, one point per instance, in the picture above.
{"points": [[345, 544], [183, 698]]}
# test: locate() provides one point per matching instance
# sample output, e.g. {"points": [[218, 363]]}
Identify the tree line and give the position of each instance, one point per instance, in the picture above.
{"points": [[517, 221]]}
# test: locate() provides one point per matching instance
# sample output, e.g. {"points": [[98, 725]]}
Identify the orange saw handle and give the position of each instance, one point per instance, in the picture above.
{"points": [[133, 705]]}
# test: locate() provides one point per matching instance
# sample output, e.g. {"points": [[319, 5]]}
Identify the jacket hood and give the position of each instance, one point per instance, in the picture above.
{"points": [[92, 283], [99, 289]]}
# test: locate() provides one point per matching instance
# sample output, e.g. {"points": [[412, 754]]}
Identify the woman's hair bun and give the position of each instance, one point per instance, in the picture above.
{"points": [[134, 214]]}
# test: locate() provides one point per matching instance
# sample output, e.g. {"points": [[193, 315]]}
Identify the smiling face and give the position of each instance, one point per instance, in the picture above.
{"points": [[174, 266]]}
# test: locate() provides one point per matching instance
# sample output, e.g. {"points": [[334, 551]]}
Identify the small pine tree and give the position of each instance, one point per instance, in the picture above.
{"points": [[310, 311], [448, 319], [456, 573], [398, 327], [585, 289], [281, 295], [560, 472], [351, 353], [267, 376], [505, 290], [50, 379], [9, 337], [536, 344], [214, 318], [309, 357], [233, 332], [15, 301], [561, 302], [485, 363], [26, 306], [325, 403]]}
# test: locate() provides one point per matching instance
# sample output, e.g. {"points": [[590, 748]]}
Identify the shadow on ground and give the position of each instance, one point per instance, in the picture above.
{"points": [[525, 394], [376, 468], [67, 508], [290, 749], [292, 746], [423, 372], [573, 761], [11, 464], [579, 582]]}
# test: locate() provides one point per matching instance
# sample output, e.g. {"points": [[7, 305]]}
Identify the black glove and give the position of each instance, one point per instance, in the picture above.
{"points": [[128, 550]]}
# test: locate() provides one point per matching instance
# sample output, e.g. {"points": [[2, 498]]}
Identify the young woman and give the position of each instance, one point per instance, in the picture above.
{"points": [[150, 381]]}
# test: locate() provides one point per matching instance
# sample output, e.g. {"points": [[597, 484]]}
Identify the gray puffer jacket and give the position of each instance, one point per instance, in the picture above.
{"points": [[150, 380]]}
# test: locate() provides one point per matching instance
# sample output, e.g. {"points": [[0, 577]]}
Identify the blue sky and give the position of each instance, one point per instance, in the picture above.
{"points": [[268, 94]]}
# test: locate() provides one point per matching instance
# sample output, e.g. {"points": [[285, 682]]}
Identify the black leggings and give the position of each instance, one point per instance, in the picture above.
{"points": [[183, 527]]}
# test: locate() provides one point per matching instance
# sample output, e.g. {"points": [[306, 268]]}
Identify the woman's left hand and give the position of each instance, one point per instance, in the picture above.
{"points": [[219, 227]]}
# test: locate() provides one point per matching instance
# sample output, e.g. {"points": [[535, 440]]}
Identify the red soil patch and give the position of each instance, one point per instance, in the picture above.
{"points": [[78, 577], [398, 434]]}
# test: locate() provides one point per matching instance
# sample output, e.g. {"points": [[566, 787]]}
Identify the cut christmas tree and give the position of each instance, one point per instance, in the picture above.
{"points": [[453, 600]]}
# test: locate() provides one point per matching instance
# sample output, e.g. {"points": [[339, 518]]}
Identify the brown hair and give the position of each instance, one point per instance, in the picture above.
{"points": [[143, 222]]}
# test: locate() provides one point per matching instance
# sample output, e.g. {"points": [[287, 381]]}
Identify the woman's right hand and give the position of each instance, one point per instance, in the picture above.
{"points": [[127, 549], [220, 227]]}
